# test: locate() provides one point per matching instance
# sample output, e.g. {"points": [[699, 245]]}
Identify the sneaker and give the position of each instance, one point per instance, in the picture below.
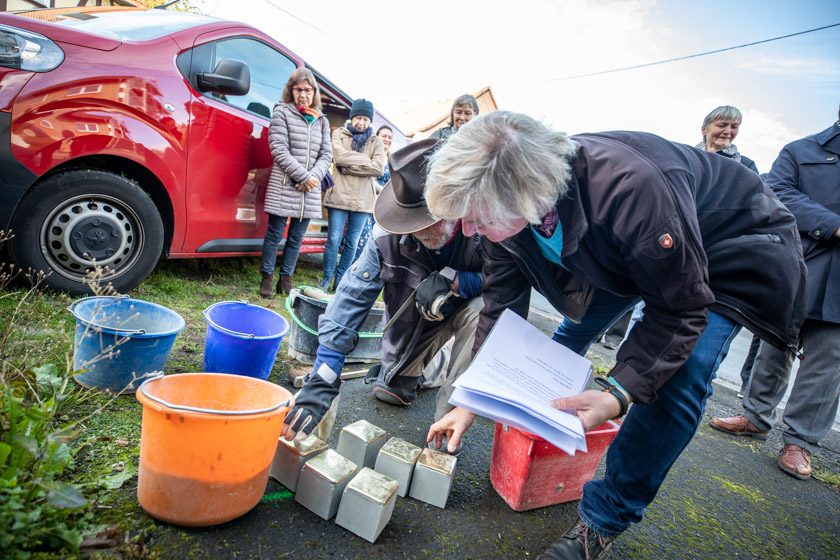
{"points": [[738, 426], [579, 543]]}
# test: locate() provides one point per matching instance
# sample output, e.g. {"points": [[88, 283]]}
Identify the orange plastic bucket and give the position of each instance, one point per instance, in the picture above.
{"points": [[207, 443]]}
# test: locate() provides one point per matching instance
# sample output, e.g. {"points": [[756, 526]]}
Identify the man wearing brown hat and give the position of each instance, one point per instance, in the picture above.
{"points": [[431, 276]]}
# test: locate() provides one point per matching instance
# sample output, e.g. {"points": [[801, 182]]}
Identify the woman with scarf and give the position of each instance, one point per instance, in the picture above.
{"points": [[720, 127], [359, 158], [299, 139]]}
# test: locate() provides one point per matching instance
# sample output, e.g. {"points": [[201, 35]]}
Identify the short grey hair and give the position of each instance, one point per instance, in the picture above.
{"points": [[723, 113], [505, 164]]}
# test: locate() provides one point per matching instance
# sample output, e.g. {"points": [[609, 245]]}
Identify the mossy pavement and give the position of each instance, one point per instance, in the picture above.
{"points": [[724, 498]]}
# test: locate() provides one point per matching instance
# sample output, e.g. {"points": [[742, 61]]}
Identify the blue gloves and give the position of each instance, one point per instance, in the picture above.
{"points": [[320, 388]]}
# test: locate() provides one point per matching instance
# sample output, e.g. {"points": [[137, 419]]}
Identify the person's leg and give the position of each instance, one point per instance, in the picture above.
{"points": [[291, 250], [749, 362], [355, 222], [363, 238], [273, 235], [769, 381], [401, 386], [605, 309], [812, 405], [653, 436], [463, 326], [336, 219]]}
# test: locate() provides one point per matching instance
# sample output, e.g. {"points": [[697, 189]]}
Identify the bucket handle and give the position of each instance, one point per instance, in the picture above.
{"points": [[228, 331], [185, 408], [291, 304], [71, 309]]}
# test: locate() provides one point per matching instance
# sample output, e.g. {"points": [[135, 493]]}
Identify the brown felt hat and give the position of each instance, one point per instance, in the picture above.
{"points": [[400, 207]]}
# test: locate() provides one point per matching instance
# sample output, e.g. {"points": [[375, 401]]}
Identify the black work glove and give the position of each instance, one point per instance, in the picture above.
{"points": [[319, 390], [432, 297]]}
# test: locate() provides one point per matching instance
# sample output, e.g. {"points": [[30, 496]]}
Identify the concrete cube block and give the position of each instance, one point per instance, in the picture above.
{"points": [[432, 479], [367, 504], [360, 442], [290, 457], [322, 481], [396, 459]]}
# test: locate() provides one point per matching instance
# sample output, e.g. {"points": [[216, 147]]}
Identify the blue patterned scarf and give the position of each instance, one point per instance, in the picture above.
{"points": [[359, 137]]}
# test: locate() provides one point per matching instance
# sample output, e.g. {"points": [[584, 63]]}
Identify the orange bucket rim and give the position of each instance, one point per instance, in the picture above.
{"points": [[141, 391]]}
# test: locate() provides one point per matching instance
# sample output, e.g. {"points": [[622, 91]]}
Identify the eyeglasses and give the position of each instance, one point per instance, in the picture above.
{"points": [[460, 113], [303, 91]]}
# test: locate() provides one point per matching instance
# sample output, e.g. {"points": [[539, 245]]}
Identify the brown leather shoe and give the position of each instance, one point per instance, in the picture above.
{"points": [[267, 286], [284, 285], [795, 461], [737, 426]]}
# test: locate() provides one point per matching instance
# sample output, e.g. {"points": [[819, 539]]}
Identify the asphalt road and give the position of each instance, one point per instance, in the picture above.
{"points": [[724, 498]]}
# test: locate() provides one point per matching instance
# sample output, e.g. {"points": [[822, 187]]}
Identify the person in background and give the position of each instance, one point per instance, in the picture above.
{"points": [[431, 278], [464, 108], [359, 158], [386, 133], [719, 130], [594, 222], [806, 178], [299, 139]]}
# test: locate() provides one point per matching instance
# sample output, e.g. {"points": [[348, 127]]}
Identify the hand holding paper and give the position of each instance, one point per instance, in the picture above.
{"points": [[593, 408], [517, 374]]}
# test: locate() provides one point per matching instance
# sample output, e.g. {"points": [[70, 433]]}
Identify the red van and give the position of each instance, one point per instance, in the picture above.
{"points": [[128, 135]]}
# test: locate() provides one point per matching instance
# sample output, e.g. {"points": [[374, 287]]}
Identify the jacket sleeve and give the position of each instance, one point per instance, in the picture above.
{"points": [[278, 142], [812, 218], [344, 157], [322, 164], [504, 287], [662, 249], [338, 327], [372, 167]]}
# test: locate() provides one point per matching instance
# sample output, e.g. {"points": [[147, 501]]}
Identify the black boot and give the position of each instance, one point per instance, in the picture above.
{"points": [[267, 285], [399, 392], [579, 543]]}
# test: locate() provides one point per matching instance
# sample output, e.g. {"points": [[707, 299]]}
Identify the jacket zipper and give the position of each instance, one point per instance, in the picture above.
{"points": [[766, 330], [308, 155]]}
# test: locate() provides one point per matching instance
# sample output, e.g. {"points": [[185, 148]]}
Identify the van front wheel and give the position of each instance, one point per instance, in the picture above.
{"points": [[78, 220]]}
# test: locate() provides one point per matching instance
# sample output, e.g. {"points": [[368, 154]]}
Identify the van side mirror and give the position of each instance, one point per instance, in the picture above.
{"points": [[231, 77]]}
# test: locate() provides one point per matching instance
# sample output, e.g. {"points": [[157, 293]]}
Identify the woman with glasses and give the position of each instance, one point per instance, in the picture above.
{"points": [[464, 108], [299, 139], [359, 158]]}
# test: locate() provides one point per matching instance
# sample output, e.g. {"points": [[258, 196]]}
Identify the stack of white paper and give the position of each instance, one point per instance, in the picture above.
{"points": [[515, 376]]}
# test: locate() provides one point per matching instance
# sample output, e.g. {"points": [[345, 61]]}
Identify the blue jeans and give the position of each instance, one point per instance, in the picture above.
{"points": [[354, 221], [364, 236], [291, 250], [653, 435]]}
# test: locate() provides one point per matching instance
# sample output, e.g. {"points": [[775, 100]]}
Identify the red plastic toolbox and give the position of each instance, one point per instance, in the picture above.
{"points": [[529, 473]]}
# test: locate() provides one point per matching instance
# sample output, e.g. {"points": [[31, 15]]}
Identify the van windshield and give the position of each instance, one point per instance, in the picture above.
{"points": [[132, 25]]}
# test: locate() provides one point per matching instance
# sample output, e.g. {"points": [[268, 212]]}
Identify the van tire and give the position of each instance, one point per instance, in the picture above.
{"points": [[77, 218]]}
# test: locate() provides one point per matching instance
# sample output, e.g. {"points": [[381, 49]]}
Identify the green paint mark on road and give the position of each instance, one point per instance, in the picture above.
{"points": [[281, 495]]}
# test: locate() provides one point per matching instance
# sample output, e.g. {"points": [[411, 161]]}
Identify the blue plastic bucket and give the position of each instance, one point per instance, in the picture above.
{"points": [[242, 338], [120, 341]]}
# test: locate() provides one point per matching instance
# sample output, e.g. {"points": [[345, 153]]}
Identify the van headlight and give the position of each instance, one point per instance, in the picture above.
{"points": [[28, 51]]}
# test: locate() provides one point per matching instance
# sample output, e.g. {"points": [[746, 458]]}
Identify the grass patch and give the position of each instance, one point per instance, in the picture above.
{"points": [[93, 438]]}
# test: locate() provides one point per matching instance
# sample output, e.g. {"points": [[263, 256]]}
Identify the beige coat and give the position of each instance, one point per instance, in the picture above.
{"points": [[355, 172]]}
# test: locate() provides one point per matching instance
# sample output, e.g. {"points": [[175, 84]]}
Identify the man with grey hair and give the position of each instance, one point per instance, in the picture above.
{"points": [[596, 222]]}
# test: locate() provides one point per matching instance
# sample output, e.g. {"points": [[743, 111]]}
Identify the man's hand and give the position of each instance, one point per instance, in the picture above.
{"points": [[592, 407], [316, 396], [432, 295], [454, 425]]}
